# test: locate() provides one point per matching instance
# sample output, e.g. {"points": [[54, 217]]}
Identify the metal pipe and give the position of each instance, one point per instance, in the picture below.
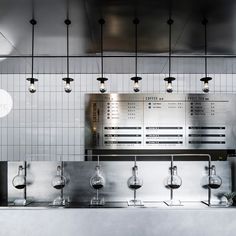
{"points": [[118, 56]]}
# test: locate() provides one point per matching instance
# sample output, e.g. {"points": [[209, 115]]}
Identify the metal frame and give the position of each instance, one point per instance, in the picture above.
{"points": [[78, 173]]}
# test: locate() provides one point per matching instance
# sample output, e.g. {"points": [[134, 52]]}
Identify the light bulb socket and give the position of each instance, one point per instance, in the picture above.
{"points": [[33, 22], [32, 80], [169, 79], [67, 80], [101, 21], [136, 79], [205, 79], [102, 79], [170, 21], [67, 22]]}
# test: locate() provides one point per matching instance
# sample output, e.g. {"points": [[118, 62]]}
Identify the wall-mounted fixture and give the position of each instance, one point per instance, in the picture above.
{"points": [[67, 79], [169, 79], [136, 78], [205, 79], [32, 80], [102, 79]]}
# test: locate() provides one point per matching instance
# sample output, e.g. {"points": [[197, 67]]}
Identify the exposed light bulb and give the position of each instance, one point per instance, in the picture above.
{"points": [[67, 87], [136, 86], [169, 87], [32, 88], [102, 87], [205, 88]]}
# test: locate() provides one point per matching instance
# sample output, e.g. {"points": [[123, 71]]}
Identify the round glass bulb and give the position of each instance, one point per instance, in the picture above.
{"points": [[67, 87], [59, 181], [19, 181], [32, 88], [174, 181], [136, 87], [134, 182], [169, 87], [97, 181], [205, 88], [102, 87], [214, 180]]}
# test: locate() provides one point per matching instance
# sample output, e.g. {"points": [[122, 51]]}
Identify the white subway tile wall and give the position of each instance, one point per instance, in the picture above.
{"points": [[49, 124]]}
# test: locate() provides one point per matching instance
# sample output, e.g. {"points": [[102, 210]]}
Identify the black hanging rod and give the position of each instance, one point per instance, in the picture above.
{"points": [[118, 56]]}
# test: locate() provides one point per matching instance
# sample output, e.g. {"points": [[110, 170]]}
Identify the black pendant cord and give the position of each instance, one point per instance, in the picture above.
{"points": [[67, 22], [101, 79], [101, 22], [67, 50], [33, 23], [205, 79], [136, 79], [169, 49], [136, 22], [170, 22], [204, 22], [101, 50]]}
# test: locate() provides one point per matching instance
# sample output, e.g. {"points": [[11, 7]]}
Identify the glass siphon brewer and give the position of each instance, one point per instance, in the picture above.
{"points": [[97, 182], [59, 182], [214, 180], [135, 183], [19, 182], [173, 181]]}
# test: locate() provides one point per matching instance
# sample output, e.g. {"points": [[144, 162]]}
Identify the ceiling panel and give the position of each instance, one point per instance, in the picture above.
{"points": [[15, 30]]}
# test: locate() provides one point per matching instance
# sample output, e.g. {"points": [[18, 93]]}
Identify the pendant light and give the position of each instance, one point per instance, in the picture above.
{"points": [[67, 79], [102, 79], [205, 79], [169, 79], [136, 78], [32, 80]]}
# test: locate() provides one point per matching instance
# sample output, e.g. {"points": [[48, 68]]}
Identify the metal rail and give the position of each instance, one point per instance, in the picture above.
{"points": [[118, 56]]}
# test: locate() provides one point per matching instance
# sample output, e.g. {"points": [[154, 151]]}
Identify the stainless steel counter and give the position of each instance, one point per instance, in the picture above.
{"points": [[114, 205], [151, 221], [116, 217]]}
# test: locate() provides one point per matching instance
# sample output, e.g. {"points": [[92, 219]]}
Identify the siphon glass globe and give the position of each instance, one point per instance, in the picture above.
{"points": [[134, 182], [173, 181], [59, 181], [214, 180], [19, 181], [97, 181]]}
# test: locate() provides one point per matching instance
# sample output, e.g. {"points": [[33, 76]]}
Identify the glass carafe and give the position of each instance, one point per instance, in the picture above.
{"points": [[59, 182], [135, 183], [97, 182], [214, 180], [19, 181]]}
